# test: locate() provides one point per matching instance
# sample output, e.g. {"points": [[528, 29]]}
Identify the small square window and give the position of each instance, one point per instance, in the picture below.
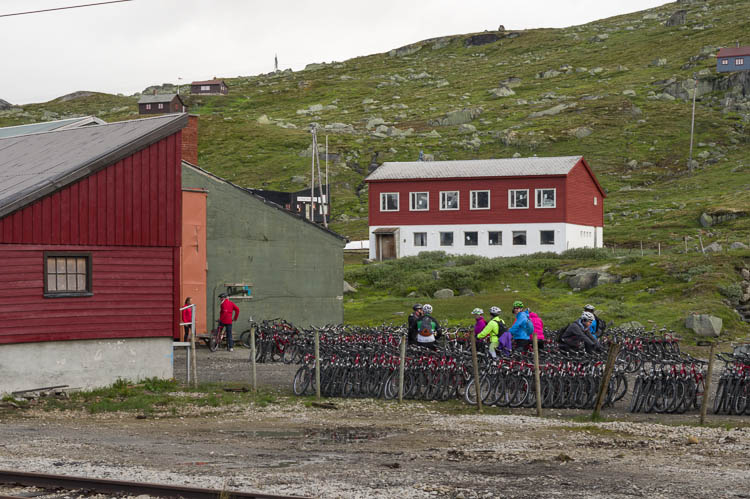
{"points": [[389, 201], [471, 238], [547, 237], [546, 198], [419, 201], [67, 274], [519, 238], [446, 239], [449, 200], [518, 199], [480, 200], [420, 239], [495, 238]]}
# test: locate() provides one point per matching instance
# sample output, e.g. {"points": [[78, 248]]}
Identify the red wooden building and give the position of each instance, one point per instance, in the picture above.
{"points": [[494, 207], [90, 229]]}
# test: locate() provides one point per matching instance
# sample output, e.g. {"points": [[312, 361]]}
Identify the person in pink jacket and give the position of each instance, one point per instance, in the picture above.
{"points": [[538, 328]]}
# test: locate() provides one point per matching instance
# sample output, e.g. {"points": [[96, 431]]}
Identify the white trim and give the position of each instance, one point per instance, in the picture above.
{"points": [[537, 192], [511, 200], [458, 201], [382, 196], [472, 199], [411, 201]]}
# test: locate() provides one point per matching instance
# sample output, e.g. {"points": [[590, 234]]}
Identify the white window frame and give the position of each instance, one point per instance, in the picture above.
{"points": [[473, 199], [383, 197], [413, 204], [511, 199], [740, 61], [539, 195], [542, 243], [415, 240], [443, 199]]}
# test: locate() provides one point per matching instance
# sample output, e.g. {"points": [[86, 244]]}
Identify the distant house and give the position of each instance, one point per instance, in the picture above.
{"points": [[299, 202], [209, 87], [491, 207], [48, 126], [733, 59], [161, 104]]}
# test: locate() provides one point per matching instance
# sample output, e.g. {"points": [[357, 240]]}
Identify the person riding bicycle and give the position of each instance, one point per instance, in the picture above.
{"points": [[598, 326], [577, 336], [428, 328], [227, 307], [494, 328], [520, 328], [413, 319]]}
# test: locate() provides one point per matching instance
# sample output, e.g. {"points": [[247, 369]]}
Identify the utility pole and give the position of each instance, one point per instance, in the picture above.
{"points": [[692, 123]]}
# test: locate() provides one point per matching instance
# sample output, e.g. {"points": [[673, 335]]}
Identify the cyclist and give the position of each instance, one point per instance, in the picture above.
{"points": [[494, 328], [520, 328], [227, 308], [428, 328], [577, 336], [597, 327], [413, 319]]}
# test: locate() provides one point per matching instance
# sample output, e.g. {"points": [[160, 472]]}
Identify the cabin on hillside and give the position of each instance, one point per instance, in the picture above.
{"points": [[733, 59], [90, 232], [492, 207], [209, 87], [161, 104], [48, 126]]}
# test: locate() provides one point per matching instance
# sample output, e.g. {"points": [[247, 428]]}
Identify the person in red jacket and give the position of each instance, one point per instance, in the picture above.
{"points": [[187, 317], [227, 309]]}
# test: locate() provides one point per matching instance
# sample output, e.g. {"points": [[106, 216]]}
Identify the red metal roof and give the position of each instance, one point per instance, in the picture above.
{"points": [[733, 51]]}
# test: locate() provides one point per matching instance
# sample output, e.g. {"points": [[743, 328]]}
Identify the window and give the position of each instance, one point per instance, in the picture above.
{"points": [[518, 199], [519, 238], [724, 62], [67, 274], [480, 200], [419, 201], [547, 237], [739, 62], [449, 200], [495, 238], [471, 238], [161, 106], [446, 239], [148, 106], [545, 198], [205, 88], [389, 201], [420, 239]]}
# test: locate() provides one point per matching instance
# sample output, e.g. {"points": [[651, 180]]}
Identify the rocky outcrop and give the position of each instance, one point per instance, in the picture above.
{"points": [[704, 325]]}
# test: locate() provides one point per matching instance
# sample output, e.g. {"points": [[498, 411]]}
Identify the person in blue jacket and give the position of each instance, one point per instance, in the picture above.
{"points": [[520, 328]]}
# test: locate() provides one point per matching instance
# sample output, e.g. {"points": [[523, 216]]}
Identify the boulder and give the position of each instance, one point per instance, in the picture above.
{"points": [[713, 248], [348, 288], [443, 293], [678, 18], [704, 325]]}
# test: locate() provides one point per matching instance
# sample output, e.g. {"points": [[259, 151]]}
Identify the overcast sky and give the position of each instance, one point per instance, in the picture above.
{"points": [[125, 47]]}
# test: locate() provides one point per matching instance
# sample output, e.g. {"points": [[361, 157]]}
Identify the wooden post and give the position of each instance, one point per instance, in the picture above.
{"points": [[537, 381], [707, 389], [401, 368], [253, 328], [614, 349], [194, 362], [475, 365], [317, 364]]}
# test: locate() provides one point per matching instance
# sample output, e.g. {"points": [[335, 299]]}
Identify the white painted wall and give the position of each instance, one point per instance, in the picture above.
{"points": [[566, 236], [83, 363]]}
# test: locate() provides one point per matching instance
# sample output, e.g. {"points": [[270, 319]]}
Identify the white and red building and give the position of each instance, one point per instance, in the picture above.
{"points": [[492, 207]]}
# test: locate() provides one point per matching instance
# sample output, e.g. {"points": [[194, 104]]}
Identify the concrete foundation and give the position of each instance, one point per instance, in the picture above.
{"points": [[84, 363]]}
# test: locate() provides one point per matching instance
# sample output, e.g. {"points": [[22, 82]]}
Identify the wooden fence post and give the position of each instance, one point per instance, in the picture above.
{"points": [[475, 364], [614, 349], [707, 389]]}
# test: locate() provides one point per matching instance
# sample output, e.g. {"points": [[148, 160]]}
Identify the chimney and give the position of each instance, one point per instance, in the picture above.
{"points": [[190, 140]]}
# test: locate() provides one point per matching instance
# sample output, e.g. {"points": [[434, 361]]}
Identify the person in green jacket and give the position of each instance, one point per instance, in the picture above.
{"points": [[494, 328]]}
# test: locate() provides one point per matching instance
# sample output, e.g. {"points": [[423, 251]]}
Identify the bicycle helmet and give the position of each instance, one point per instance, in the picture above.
{"points": [[427, 308], [417, 306], [587, 316], [478, 311], [495, 310], [589, 308], [517, 304], [223, 295]]}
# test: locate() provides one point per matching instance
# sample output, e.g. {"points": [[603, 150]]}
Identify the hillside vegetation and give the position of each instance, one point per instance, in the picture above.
{"points": [[617, 91]]}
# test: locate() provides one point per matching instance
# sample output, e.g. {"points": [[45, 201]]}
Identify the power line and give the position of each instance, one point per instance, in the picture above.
{"points": [[63, 8]]}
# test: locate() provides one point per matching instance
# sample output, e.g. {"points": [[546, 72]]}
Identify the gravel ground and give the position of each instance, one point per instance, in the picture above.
{"points": [[368, 448]]}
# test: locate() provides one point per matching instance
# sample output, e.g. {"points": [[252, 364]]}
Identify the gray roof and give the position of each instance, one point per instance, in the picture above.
{"points": [[32, 166], [155, 99], [505, 167], [13, 131]]}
